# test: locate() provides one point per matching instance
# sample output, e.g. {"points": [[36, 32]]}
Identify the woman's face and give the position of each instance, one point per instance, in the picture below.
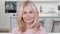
{"points": [[28, 15]]}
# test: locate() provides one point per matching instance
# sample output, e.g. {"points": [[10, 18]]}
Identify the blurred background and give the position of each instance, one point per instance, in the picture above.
{"points": [[49, 14]]}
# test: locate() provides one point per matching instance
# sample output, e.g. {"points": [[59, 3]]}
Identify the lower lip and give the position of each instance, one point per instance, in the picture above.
{"points": [[28, 19]]}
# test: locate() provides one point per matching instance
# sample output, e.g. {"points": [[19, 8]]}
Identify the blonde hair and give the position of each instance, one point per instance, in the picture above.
{"points": [[21, 24]]}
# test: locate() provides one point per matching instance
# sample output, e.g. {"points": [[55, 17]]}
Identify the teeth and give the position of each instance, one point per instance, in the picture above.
{"points": [[28, 19]]}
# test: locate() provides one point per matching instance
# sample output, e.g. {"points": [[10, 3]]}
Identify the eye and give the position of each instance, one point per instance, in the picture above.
{"points": [[24, 12], [31, 12]]}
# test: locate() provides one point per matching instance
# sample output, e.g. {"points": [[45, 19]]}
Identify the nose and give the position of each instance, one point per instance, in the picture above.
{"points": [[28, 15]]}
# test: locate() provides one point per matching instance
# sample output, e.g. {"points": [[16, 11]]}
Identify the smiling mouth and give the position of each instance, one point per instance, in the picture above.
{"points": [[28, 19]]}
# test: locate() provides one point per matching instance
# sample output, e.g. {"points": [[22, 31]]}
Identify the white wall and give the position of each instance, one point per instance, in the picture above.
{"points": [[4, 18], [49, 7]]}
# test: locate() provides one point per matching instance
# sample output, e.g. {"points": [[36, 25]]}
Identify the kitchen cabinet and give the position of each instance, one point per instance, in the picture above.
{"points": [[46, 22]]}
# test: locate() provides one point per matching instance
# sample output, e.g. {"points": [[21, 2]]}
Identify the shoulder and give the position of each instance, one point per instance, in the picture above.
{"points": [[43, 31], [15, 30]]}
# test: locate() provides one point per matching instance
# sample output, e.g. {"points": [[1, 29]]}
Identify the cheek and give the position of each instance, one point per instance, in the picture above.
{"points": [[24, 16], [33, 16]]}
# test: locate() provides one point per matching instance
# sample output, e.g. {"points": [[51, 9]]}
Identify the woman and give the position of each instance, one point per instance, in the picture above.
{"points": [[28, 22]]}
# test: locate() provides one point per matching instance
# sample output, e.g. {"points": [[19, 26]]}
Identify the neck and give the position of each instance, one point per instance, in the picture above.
{"points": [[29, 26]]}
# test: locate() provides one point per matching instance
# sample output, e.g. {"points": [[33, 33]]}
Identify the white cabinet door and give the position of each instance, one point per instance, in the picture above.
{"points": [[13, 23]]}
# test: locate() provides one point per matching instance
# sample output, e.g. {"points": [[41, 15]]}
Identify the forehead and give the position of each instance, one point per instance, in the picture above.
{"points": [[27, 8]]}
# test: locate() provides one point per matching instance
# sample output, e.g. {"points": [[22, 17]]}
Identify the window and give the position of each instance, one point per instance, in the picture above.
{"points": [[10, 7]]}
